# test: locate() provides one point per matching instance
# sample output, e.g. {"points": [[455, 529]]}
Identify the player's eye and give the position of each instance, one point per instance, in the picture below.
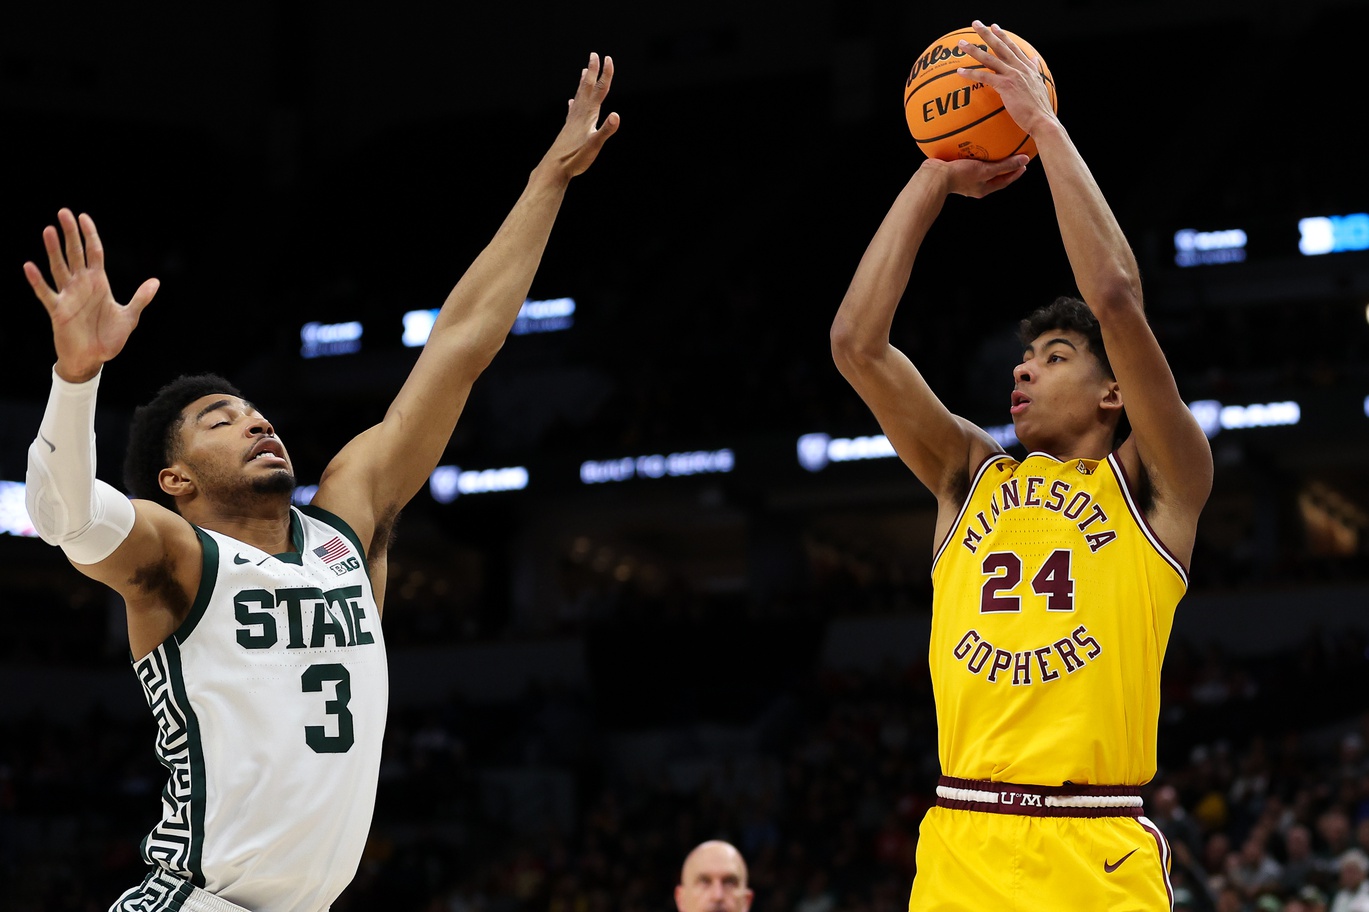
{"points": [[219, 424]]}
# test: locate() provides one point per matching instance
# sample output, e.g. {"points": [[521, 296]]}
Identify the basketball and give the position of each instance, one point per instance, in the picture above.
{"points": [[951, 117]]}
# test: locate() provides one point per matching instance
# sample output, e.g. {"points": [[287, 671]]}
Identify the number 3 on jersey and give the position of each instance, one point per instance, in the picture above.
{"points": [[1004, 572], [316, 736]]}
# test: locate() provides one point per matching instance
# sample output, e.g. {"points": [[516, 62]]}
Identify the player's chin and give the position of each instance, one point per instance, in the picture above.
{"points": [[281, 481]]}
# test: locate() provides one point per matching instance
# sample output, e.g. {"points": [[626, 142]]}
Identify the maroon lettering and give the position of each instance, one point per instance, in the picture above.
{"points": [[1002, 661], [1097, 540], [1081, 636], [1068, 657], [1047, 673], [1059, 488], [1011, 496], [1093, 517], [1077, 505], [980, 656]]}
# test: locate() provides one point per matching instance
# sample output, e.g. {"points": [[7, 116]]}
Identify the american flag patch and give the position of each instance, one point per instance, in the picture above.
{"points": [[332, 549]]}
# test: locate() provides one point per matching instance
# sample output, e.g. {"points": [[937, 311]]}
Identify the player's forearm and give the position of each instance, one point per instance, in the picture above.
{"points": [[866, 315], [1104, 265], [66, 503], [483, 305]]}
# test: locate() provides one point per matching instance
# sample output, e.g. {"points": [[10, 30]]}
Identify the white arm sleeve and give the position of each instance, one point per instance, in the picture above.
{"points": [[68, 505]]}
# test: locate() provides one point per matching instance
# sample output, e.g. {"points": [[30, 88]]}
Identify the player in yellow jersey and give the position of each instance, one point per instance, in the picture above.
{"points": [[1055, 578]]}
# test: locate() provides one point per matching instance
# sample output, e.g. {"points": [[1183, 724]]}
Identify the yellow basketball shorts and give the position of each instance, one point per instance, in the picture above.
{"points": [[1018, 848]]}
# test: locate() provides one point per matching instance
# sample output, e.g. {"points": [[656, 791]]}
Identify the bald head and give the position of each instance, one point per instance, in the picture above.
{"points": [[713, 879]]}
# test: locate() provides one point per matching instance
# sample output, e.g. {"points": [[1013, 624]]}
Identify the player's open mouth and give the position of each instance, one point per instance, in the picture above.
{"points": [[267, 449], [1020, 401]]}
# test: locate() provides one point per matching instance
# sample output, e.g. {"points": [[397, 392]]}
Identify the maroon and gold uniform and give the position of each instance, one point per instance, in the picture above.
{"points": [[1052, 609]]}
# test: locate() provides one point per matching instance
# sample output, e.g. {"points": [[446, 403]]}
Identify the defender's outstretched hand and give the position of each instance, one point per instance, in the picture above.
{"points": [[579, 142], [89, 327]]}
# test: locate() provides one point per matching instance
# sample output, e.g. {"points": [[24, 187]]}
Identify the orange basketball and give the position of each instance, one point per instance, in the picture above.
{"points": [[951, 117]]}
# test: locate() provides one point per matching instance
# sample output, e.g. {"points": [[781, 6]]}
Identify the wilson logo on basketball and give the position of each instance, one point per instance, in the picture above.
{"points": [[934, 55]]}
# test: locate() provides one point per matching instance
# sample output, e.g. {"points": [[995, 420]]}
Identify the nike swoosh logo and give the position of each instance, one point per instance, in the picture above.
{"points": [[239, 559], [1109, 867], [51, 448]]}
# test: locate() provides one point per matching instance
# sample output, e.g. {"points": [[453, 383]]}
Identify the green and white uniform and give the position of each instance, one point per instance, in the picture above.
{"points": [[270, 703]]}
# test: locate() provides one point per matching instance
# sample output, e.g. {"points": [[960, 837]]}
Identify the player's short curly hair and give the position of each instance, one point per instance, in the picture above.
{"points": [[152, 435], [1066, 312]]}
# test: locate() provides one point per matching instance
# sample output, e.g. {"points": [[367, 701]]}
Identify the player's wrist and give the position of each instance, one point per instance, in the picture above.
{"points": [[75, 374]]}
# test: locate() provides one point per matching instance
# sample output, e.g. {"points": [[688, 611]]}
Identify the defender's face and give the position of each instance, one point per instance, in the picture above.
{"points": [[1057, 390], [226, 441]]}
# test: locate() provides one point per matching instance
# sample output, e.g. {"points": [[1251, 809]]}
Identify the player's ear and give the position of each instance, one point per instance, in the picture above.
{"points": [[174, 481], [1112, 396]]}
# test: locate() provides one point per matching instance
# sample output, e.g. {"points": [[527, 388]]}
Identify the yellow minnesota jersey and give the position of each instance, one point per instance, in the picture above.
{"points": [[1052, 609]]}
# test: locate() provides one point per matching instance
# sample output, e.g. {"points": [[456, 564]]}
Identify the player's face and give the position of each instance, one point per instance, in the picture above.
{"points": [[1058, 390], [713, 880], [232, 449]]}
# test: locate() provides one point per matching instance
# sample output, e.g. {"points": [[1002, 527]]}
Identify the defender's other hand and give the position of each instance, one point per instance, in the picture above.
{"points": [[579, 142], [89, 326]]}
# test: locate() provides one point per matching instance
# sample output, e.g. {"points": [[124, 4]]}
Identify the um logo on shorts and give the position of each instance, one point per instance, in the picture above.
{"points": [[1021, 799]]}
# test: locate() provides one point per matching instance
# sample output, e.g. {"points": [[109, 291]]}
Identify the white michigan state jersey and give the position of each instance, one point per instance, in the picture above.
{"points": [[270, 703]]}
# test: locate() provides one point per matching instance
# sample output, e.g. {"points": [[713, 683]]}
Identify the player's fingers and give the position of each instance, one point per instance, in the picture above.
{"points": [[1008, 177], [1009, 45], [1000, 43], [605, 76], [56, 262], [610, 126], [95, 251], [143, 296], [41, 289], [588, 75], [71, 234], [985, 59], [595, 79]]}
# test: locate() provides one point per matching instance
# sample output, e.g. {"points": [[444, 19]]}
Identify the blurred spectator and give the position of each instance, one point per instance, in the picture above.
{"points": [[1352, 890]]}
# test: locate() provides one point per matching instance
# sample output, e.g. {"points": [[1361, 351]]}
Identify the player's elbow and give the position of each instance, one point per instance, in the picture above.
{"points": [[850, 347], [465, 354], [1115, 296], [854, 353]]}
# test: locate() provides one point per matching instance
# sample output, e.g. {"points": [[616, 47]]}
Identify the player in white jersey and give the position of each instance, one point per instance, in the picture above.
{"points": [[255, 626]]}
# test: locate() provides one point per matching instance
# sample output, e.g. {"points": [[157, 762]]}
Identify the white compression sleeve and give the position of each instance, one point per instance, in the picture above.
{"points": [[68, 505]]}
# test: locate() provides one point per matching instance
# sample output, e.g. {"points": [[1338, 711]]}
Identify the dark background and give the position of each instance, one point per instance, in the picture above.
{"points": [[275, 164]]}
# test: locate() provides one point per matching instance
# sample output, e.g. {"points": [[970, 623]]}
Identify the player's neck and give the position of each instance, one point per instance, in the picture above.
{"points": [[1092, 446], [264, 524]]}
